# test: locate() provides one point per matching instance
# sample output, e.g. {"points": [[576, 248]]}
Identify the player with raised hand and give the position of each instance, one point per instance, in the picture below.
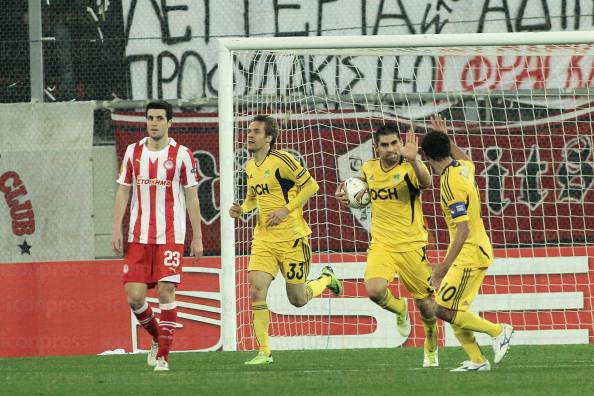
{"points": [[278, 186], [459, 277], [398, 234]]}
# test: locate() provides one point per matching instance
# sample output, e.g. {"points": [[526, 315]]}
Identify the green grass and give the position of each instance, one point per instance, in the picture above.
{"points": [[527, 370]]}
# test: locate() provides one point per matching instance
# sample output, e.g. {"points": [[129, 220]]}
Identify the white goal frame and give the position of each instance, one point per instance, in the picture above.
{"points": [[225, 106]]}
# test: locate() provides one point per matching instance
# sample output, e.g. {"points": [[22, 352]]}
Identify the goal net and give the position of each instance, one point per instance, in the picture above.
{"points": [[522, 112]]}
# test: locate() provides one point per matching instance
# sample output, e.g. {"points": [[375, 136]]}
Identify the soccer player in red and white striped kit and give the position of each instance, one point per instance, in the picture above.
{"points": [[163, 178]]}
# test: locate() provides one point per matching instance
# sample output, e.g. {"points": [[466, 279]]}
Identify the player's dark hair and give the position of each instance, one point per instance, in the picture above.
{"points": [[436, 145], [162, 105], [270, 126], [385, 130]]}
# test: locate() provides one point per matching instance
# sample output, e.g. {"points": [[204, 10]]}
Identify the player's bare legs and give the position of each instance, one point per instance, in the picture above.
{"points": [[259, 284], [427, 310], [136, 295], [300, 294], [167, 323], [297, 294], [468, 321], [378, 292], [463, 324]]}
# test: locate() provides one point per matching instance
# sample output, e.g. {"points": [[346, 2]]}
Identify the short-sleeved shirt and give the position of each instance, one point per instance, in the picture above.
{"points": [[158, 207], [397, 221], [273, 183], [460, 201]]}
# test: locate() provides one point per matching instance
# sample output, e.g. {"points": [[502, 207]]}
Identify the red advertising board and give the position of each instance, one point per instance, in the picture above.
{"points": [[79, 308], [72, 308]]}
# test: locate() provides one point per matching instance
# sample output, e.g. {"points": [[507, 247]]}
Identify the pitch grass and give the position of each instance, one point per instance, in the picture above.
{"points": [[527, 370]]}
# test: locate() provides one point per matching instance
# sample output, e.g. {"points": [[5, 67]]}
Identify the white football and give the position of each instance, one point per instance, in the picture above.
{"points": [[357, 192]]}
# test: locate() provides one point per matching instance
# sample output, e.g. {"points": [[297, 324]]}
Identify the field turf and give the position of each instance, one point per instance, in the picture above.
{"points": [[527, 370]]}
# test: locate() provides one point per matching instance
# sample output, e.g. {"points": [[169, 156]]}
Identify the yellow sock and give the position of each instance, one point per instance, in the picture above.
{"points": [[391, 303], [260, 321], [430, 327], [471, 321], [315, 287], [468, 342]]}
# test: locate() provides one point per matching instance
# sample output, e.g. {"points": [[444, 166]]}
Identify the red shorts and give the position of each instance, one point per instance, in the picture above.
{"points": [[150, 263]]}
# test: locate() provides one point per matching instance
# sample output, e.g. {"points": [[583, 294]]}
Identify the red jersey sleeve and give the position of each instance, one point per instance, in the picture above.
{"points": [[189, 169]]}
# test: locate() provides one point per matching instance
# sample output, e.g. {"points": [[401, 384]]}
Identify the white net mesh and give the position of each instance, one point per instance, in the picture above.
{"points": [[524, 116]]}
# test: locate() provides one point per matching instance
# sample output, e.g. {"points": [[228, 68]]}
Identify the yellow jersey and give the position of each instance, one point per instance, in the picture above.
{"points": [[396, 212], [460, 201], [273, 183]]}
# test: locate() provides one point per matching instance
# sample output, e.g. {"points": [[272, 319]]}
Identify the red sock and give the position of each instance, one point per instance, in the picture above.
{"points": [[146, 318], [167, 324]]}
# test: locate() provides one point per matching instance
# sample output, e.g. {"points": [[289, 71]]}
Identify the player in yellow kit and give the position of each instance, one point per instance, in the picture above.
{"points": [[459, 278], [398, 233], [278, 186]]}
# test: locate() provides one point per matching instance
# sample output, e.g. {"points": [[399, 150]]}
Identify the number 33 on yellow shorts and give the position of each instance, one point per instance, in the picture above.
{"points": [[293, 258]]}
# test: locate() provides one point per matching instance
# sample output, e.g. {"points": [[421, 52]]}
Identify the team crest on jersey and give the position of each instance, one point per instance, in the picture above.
{"points": [[397, 178], [169, 164], [465, 173], [267, 173]]}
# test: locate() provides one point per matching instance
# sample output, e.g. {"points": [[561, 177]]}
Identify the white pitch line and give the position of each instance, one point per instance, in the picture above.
{"points": [[528, 366], [575, 364]]}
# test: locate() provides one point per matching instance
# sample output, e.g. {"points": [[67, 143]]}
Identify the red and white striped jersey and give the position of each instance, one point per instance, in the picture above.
{"points": [[158, 207]]}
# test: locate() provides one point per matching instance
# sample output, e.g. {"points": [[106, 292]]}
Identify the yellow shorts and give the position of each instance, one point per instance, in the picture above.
{"points": [[460, 286], [411, 267], [291, 257]]}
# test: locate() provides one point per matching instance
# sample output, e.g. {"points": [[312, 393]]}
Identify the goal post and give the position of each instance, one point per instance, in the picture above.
{"points": [[535, 186]]}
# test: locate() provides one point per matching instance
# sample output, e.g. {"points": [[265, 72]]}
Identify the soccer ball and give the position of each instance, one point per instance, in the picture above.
{"points": [[356, 192]]}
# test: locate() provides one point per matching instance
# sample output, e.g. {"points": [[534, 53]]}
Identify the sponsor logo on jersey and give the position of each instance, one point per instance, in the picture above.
{"points": [[383, 193], [153, 182], [260, 189]]}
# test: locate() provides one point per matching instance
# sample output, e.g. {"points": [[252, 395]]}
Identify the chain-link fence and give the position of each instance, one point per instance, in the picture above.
{"points": [[134, 50]]}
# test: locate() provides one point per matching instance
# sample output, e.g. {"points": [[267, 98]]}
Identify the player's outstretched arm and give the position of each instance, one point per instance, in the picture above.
{"points": [[193, 205], [121, 201], [439, 123]]}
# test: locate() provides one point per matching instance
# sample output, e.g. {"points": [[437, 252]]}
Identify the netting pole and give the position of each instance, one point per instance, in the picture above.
{"points": [[226, 161], [35, 50]]}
